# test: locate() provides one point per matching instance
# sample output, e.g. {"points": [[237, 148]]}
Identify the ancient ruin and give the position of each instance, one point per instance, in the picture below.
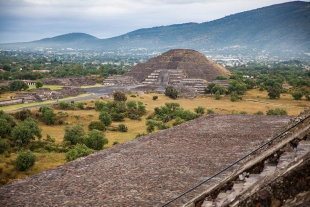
{"points": [[181, 68], [155, 169]]}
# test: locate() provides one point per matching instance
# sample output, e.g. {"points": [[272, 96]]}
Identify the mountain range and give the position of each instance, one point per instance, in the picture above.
{"points": [[278, 27]]}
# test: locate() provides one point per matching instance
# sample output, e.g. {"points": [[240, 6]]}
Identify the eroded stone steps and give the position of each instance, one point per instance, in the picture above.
{"points": [[246, 180]]}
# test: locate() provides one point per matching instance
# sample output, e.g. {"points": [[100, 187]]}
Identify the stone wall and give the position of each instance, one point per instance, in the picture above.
{"points": [[11, 102]]}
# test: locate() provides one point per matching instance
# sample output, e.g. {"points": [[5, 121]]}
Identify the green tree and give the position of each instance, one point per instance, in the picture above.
{"points": [[297, 95], [3, 146], [99, 106], [96, 140], [23, 133], [74, 134], [155, 98], [119, 96], [79, 150], [18, 86], [48, 115], [5, 128], [25, 160], [131, 105], [274, 92], [105, 118], [238, 87], [38, 84], [171, 92]]}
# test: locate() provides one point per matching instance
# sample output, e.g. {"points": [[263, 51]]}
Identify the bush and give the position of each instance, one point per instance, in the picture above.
{"points": [[234, 97], [243, 112], [25, 160], [297, 95], [119, 96], [171, 92], [118, 116], [96, 125], [276, 111], [122, 128], [3, 146], [217, 95], [200, 110], [74, 134], [155, 98], [210, 111], [81, 105], [134, 117], [115, 143], [63, 105], [80, 150], [23, 114], [99, 105], [96, 140], [259, 113], [105, 118]]}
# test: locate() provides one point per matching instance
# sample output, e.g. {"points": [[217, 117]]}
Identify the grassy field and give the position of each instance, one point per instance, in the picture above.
{"points": [[251, 102]]}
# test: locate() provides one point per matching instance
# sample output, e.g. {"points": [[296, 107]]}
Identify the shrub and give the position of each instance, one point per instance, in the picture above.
{"points": [[96, 125], [178, 121], [96, 140], [63, 105], [243, 112], [217, 95], [118, 116], [150, 128], [259, 113], [122, 128], [25, 160], [80, 150], [5, 127], [23, 114], [99, 105], [131, 105], [297, 95], [3, 146], [60, 122], [81, 105], [171, 92], [105, 118], [276, 111], [134, 117], [234, 97], [119, 96], [115, 143], [74, 134], [155, 98], [210, 111], [200, 110]]}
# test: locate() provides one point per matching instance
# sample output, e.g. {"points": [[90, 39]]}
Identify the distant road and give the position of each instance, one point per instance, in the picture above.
{"points": [[95, 92]]}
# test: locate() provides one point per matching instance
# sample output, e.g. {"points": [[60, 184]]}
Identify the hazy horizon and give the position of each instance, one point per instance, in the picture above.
{"points": [[29, 20]]}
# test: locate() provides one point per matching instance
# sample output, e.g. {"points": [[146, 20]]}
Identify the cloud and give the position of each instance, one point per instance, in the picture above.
{"points": [[25, 20]]}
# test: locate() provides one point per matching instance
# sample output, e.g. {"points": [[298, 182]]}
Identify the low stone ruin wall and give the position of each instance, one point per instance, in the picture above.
{"points": [[73, 81], [11, 102]]}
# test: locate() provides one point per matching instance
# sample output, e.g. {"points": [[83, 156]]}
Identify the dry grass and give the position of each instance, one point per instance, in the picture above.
{"points": [[252, 102]]}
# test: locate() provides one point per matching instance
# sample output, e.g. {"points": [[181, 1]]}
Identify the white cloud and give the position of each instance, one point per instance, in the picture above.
{"points": [[105, 18]]}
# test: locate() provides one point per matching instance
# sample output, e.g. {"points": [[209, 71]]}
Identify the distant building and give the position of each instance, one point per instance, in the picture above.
{"points": [[42, 71]]}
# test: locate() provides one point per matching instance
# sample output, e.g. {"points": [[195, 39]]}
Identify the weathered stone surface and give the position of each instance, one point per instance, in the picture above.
{"points": [[149, 170]]}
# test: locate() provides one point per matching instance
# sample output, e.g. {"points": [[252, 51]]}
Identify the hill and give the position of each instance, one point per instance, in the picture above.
{"points": [[277, 28]]}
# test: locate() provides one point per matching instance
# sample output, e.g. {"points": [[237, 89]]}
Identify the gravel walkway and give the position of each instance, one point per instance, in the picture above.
{"points": [[150, 170]]}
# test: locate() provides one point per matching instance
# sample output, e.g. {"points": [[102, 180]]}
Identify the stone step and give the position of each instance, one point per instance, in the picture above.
{"points": [[269, 168]]}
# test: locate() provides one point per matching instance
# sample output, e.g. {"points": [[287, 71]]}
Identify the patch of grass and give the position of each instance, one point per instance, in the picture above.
{"points": [[52, 87]]}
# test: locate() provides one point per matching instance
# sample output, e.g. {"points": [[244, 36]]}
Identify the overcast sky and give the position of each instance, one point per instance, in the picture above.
{"points": [[28, 20]]}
